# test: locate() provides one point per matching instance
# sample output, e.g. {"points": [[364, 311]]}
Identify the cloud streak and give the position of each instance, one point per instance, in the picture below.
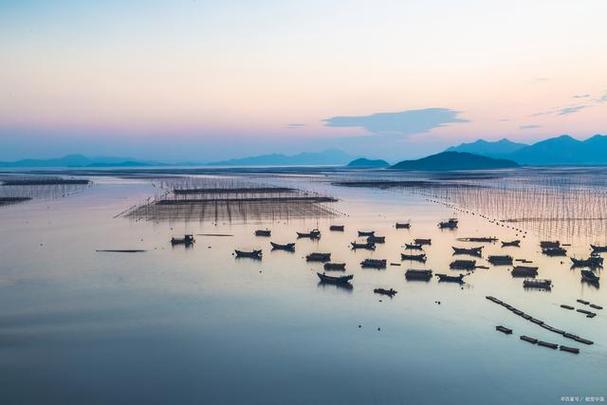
{"points": [[571, 109], [404, 123], [530, 126]]}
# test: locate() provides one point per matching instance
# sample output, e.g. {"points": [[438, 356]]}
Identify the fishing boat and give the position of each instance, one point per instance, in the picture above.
{"points": [[313, 234], [413, 246], [335, 279], [503, 329], [546, 244], [390, 293], [376, 239], [554, 251], [318, 257], [416, 258], [589, 277], [463, 265], [500, 260], [187, 240], [515, 243], [593, 262], [263, 232], [524, 271], [479, 239], [424, 275], [450, 223], [598, 249], [451, 279], [289, 247], [423, 242], [335, 266], [475, 251], [366, 233], [336, 228], [540, 284], [252, 254], [403, 225], [366, 245], [374, 263]]}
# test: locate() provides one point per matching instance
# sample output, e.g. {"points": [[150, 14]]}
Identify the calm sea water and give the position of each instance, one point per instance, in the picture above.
{"points": [[176, 325]]}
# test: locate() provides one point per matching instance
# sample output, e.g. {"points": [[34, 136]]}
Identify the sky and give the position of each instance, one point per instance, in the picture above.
{"points": [[200, 81]]}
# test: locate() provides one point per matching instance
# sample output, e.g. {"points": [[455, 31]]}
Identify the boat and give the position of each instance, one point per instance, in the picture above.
{"points": [[374, 263], [336, 228], [515, 243], [546, 244], [318, 257], [500, 260], [451, 279], [335, 279], [289, 247], [253, 254], [554, 251], [390, 293], [541, 284], [450, 223], [376, 239], [475, 251], [366, 245], [413, 246], [366, 233], [479, 239], [589, 277], [569, 349], [187, 240], [463, 265], [335, 266], [592, 262], [529, 339], [403, 225], [313, 234], [263, 232], [598, 249], [503, 329], [424, 275], [524, 271], [416, 258], [423, 241]]}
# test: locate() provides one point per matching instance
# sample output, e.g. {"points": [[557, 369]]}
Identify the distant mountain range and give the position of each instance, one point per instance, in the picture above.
{"points": [[364, 163], [561, 150], [328, 157], [454, 161], [79, 161]]}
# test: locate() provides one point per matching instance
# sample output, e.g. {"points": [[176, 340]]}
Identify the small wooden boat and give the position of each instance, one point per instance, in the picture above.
{"points": [[450, 223], [335, 279], [515, 243], [547, 344], [313, 234], [529, 339], [187, 240], [540, 284], [596, 306], [335, 266], [336, 228], [366, 245], [318, 257], [589, 277], [451, 279], [479, 239], [413, 274], [474, 251], [390, 293], [374, 263], [569, 349], [416, 258], [366, 233], [403, 225], [423, 242], [289, 247], [503, 329], [554, 251], [500, 260], [376, 239], [463, 265], [546, 244], [598, 249], [583, 301], [263, 232], [593, 262], [524, 271], [413, 246], [569, 307], [252, 254]]}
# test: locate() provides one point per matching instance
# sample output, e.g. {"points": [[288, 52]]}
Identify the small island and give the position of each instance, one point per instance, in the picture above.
{"points": [[364, 163], [454, 161]]}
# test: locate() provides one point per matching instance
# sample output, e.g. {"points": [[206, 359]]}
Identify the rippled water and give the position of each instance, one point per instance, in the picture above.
{"points": [[177, 325]]}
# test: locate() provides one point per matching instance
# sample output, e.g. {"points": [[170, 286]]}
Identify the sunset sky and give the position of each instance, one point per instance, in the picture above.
{"points": [[198, 80]]}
